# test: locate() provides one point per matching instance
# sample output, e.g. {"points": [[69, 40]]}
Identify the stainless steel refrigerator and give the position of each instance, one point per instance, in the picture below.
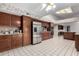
{"points": [[36, 32]]}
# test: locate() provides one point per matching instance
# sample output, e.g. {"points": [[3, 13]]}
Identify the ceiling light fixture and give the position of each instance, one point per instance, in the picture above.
{"points": [[43, 6], [57, 12], [54, 6], [50, 6], [69, 10], [63, 11]]}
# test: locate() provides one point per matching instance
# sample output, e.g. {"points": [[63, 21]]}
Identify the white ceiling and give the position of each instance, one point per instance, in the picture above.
{"points": [[35, 9]]}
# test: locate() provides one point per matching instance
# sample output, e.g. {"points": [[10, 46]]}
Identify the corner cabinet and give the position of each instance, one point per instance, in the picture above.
{"points": [[5, 19], [15, 21]]}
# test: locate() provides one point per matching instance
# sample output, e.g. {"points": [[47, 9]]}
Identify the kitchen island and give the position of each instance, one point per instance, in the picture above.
{"points": [[77, 41], [69, 35]]}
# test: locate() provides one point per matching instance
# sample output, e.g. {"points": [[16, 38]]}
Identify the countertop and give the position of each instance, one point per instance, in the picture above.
{"points": [[77, 33], [12, 34], [46, 31]]}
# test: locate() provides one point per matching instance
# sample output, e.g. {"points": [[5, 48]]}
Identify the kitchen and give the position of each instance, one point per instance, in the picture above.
{"points": [[17, 31], [36, 32]]}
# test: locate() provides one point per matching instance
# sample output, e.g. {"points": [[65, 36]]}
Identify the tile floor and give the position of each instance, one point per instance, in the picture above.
{"points": [[56, 46]]}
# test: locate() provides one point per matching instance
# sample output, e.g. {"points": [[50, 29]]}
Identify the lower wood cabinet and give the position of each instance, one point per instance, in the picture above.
{"points": [[69, 35], [77, 42], [8, 42], [5, 42], [46, 35], [16, 41]]}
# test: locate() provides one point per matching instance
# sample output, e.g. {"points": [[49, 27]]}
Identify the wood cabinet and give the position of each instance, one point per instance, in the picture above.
{"points": [[5, 19], [15, 21], [26, 30], [16, 41], [46, 35], [77, 42], [69, 35], [8, 42], [5, 42], [10, 20], [45, 24]]}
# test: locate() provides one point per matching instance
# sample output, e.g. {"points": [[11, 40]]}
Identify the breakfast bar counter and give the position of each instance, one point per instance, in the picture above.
{"points": [[69, 35]]}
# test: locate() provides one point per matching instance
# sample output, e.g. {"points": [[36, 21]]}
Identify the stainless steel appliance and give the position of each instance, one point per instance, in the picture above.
{"points": [[37, 29]]}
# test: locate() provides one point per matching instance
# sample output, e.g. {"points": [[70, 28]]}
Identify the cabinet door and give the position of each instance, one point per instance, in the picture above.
{"points": [[5, 43], [15, 21], [16, 41], [5, 19], [26, 31], [77, 42]]}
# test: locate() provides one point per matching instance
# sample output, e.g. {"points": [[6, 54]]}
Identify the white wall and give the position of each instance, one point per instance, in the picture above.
{"points": [[74, 27], [56, 30], [75, 19]]}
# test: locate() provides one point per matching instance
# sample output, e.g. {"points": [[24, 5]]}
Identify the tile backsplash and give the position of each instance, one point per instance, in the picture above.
{"points": [[6, 29]]}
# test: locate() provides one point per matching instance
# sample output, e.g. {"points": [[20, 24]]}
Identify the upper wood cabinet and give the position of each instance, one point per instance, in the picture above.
{"points": [[45, 24], [5, 19], [26, 30], [9, 20], [15, 21]]}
